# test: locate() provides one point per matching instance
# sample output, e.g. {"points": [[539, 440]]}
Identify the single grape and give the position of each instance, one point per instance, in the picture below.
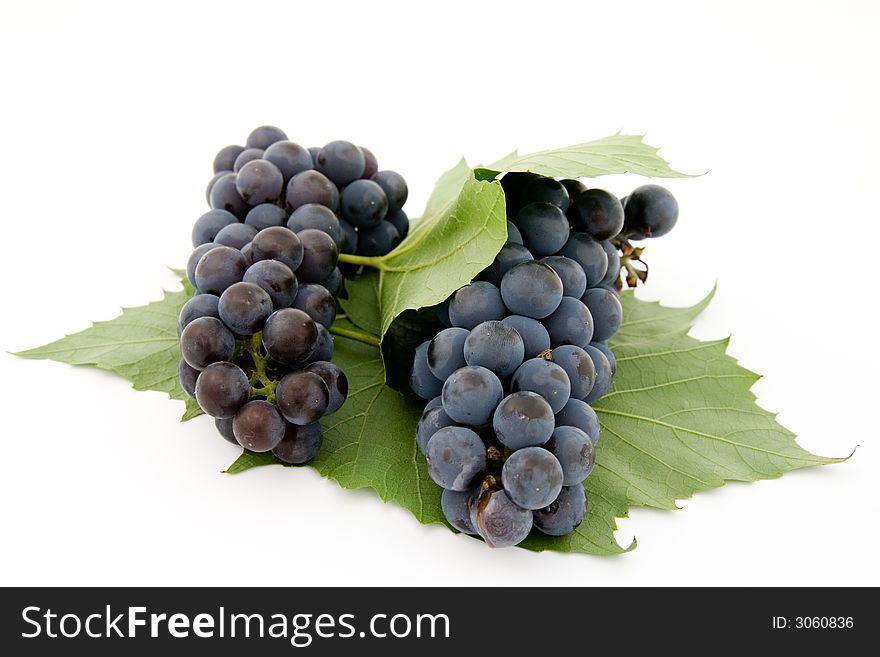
{"points": [[532, 289], [259, 181], [421, 380], [613, 272], [341, 161], [290, 158], [323, 346], [224, 196], [281, 244], [651, 211], [187, 376], [574, 281], [470, 395], [319, 255], [224, 428], [534, 336], [349, 241], [302, 397], [543, 378], [200, 305], [204, 341], [258, 426], [247, 155], [456, 506], [266, 215], [575, 452], [545, 190], [579, 414], [316, 302], [335, 380], [589, 254], [289, 336], [209, 224], [578, 366], [573, 187], [475, 303], [219, 268], [564, 514], [194, 258], [598, 213], [300, 443], [513, 184], [378, 240], [217, 176], [456, 458], [513, 234], [510, 255], [498, 520], [533, 477], [446, 352], [603, 374], [495, 346], [312, 187], [222, 388], [364, 204], [570, 323], [543, 227], [225, 158], [236, 235], [436, 402], [432, 420], [333, 282], [276, 279], [606, 310], [605, 349], [265, 136], [245, 307], [400, 221], [394, 186], [522, 419], [320, 217], [371, 165]]}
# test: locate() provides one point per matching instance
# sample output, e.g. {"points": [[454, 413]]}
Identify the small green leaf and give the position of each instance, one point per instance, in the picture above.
{"points": [[611, 155], [456, 239], [140, 345]]}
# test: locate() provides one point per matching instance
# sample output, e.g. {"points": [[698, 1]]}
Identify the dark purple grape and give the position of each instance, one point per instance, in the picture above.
{"points": [[564, 514], [289, 336], [651, 211], [394, 186], [597, 212], [371, 165], [302, 397], [236, 235], [194, 258], [278, 243], [341, 161], [204, 341], [364, 204], [224, 196], [290, 158], [312, 187], [200, 305], [219, 268], [378, 240], [222, 389], [224, 428], [300, 443], [319, 256], [545, 190], [316, 302], [225, 158], [245, 307], [498, 520], [265, 136], [276, 279], [266, 215], [259, 181], [258, 426], [400, 221], [320, 217], [247, 155], [187, 376]]}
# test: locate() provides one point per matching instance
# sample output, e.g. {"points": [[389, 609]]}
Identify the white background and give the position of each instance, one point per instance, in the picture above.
{"points": [[110, 119]]}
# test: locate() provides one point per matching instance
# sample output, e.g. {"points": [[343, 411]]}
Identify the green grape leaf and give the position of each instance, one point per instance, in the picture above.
{"points": [[611, 155], [456, 239], [140, 345]]}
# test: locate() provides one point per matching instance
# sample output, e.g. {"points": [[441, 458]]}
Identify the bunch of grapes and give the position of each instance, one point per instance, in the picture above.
{"points": [[255, 342], [508, 432]]}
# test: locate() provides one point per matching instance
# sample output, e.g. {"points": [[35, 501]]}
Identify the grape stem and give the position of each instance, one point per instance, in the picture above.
{"points": [[261, 384], [367, 261], [358, 336]]}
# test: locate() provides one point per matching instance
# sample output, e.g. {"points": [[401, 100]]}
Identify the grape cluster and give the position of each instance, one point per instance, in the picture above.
{"points": [[508, 431], [254, 339], [337, 189]]}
